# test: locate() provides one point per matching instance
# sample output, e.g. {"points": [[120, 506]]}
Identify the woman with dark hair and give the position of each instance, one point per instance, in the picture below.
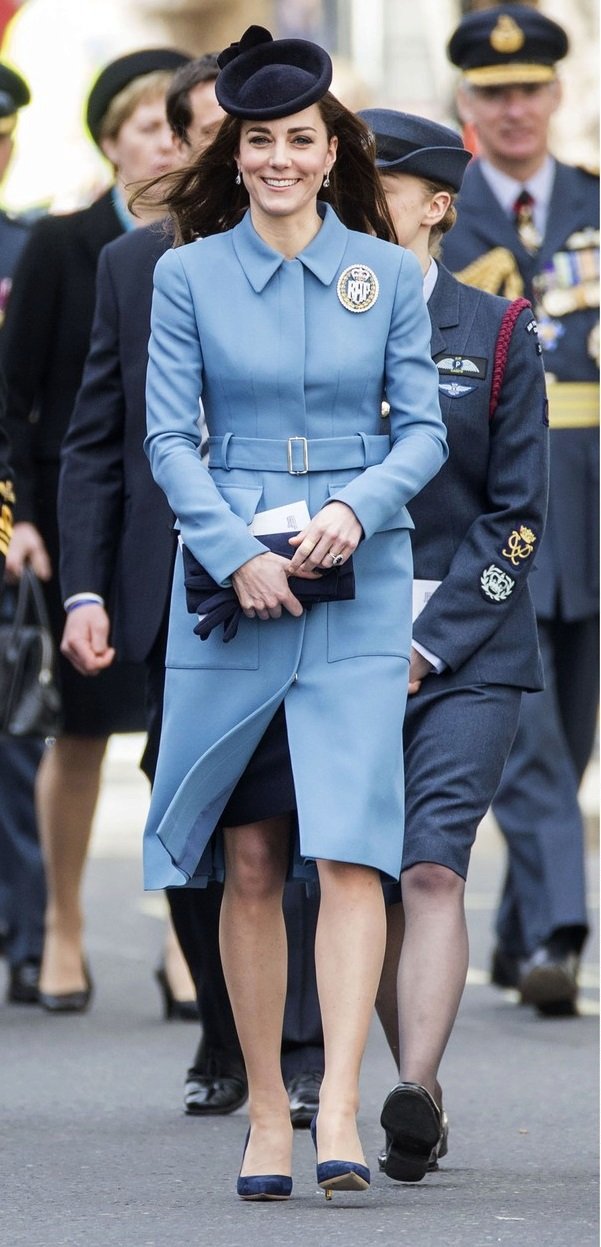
{"points": [[478, 526], [281, 741]]}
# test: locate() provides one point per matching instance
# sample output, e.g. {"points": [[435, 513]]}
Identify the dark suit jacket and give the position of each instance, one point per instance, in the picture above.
{"points": [[567, 581], [46, 335], [125, 548], [493, 484]]}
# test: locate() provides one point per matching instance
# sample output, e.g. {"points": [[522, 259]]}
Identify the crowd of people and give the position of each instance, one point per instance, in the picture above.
{"points": [[328, 539]]}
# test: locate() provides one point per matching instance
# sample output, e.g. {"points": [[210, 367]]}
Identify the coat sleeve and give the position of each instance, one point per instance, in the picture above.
{"points": [[417, 431], [491, 566], [91, 475], [27, 343], [218, 538]]}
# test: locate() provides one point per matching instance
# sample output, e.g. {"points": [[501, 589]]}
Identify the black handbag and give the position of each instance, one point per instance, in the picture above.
{"points": [[217, 604], [29, 699]]}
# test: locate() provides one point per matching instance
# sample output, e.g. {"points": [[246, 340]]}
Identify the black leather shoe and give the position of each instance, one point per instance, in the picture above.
{"points": [[215, 1087], [549, 981], [438, 1151], [174, 1009], [415, 1129], [23, 983], [303, 1093], [504, 969], [68, 1002]]}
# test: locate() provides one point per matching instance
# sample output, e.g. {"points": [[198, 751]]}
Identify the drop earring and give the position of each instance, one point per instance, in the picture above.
{"points": [[238, 179], [326, 180]]}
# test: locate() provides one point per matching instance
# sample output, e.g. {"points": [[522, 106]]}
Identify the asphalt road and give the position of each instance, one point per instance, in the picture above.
{"points": [[96, 1151]]}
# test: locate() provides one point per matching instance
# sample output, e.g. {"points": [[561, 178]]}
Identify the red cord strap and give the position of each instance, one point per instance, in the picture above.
{"points": [[502, 350]]}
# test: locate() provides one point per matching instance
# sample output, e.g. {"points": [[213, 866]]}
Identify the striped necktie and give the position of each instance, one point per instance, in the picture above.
{"points": [[523, 217]]}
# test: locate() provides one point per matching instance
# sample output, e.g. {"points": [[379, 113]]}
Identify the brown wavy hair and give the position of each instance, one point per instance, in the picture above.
{"points": [[204, 199]]}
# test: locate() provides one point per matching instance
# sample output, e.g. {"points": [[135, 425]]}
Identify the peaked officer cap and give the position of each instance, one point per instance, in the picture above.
{"points": [[409, 144], [118, 74], [14, 94], [511, 43], [263, 78]]}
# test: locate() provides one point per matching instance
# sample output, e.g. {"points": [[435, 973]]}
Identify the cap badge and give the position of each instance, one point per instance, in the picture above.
{"points": [[358, 288], [507, 36]]}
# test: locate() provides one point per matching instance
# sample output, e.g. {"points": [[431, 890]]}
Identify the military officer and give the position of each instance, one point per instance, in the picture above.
{"points": [[529, 224], [22, 891]]}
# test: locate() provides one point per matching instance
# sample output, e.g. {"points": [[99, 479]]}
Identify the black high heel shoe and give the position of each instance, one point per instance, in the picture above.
{"points": [[263, 1185], [339, 1175], [68, 1002], [174, 1009]]}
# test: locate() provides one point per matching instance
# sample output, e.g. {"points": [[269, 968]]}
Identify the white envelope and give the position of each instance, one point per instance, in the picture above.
{"points": [[422, 592], [287, 519]]}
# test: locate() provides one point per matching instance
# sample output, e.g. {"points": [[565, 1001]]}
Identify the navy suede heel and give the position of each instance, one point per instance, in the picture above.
{"points": [[263, 1185], [339, 1175]]}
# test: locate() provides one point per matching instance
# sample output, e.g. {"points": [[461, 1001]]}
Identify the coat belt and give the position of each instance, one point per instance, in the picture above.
{"points": [[297, 455]]}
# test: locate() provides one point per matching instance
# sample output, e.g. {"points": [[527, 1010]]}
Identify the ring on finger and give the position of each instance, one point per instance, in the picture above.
{"points": [[337, 559]]}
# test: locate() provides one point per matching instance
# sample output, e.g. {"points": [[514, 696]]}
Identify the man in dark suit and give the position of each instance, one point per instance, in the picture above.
{"points": [[125, 556], [528, 224], [22, 886]]}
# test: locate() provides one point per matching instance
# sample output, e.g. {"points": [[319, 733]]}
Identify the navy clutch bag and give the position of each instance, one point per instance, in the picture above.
{"points": [[220, 605]]}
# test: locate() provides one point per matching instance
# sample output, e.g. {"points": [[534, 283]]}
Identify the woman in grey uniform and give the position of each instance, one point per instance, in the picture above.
{"points": [[284, 741], [478, 526]]}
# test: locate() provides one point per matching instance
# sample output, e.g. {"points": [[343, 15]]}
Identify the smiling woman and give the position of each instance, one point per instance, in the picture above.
{"points": [[289, 316]]}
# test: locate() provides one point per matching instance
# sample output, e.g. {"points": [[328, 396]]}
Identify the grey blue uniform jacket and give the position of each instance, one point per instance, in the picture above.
{"points": [[479, 523], [567, 581], [277, 351]]}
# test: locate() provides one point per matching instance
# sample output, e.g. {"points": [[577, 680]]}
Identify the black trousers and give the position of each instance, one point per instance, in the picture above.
{"points": [[195, 914]]}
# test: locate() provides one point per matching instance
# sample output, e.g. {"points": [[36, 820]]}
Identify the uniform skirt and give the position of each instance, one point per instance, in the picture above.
{"points": [[266, 787], [456, 741], [114, 700]]}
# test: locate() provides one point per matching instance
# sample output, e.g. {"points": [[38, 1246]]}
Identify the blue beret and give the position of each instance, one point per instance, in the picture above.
{"points": [[409, 144], [118, 75], [508, 44], [14, 92], [262, 78]]}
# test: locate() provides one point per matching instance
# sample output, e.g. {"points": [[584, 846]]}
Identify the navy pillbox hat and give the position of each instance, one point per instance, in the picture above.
{"points": [[118, 75], [263, 78], [511, 43], [409, 144]]}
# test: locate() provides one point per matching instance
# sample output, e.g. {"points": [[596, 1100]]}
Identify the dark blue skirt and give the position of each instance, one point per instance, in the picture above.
{"points": [[266, 788]]}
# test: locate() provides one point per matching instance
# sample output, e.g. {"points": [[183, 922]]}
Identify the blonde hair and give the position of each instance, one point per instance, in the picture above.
{"points": [[447, 222], [141, 90]]}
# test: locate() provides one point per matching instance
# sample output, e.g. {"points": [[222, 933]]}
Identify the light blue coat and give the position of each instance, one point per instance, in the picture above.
{"points": [[275, 354]]}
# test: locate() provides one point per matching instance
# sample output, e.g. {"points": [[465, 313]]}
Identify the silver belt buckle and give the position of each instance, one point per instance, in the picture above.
{"points": [[305, 468]]}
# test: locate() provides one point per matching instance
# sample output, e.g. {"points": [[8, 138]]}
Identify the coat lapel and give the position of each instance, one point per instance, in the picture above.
{"points": [[567, 211], [443, 306]]}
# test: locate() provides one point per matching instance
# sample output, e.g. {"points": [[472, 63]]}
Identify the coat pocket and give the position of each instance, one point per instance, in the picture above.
{"points": [[378, 621]]}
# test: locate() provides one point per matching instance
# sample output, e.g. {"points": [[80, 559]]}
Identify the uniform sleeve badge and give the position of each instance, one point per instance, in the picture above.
{"points": [[520, 544], [358, 288], [496, 584]]}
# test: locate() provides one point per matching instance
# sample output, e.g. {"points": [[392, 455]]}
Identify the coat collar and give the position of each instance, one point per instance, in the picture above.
{"points": [[322, 257]]}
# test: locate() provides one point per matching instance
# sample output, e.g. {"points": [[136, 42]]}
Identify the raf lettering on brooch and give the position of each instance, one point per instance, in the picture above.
{"points": [[357, 288]]}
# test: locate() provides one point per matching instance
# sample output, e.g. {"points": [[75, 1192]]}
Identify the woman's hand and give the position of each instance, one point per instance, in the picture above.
{"points": [[27, 546], [86, 639], [262, 588], [419, 668], [335, 530]]}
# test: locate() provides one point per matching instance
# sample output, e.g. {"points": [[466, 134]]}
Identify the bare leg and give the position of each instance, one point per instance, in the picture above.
{"points": [[176, 968], [349, 949], [66, 793], [432, 970], [254, 957]]}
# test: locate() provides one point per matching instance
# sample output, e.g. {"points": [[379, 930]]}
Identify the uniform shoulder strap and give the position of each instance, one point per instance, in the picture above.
{"points": [[502, 350]]}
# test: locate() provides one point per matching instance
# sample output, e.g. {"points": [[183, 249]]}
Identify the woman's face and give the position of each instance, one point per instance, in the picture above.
{"points": [[144, 146], [408, 202], [283, 162]]}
